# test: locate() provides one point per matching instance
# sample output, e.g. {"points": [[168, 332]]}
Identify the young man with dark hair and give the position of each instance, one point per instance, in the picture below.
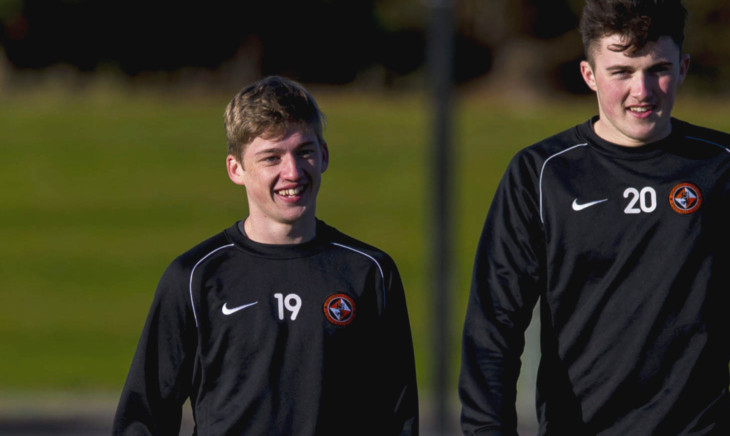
{"points": [[619, 226], [279, 325]]}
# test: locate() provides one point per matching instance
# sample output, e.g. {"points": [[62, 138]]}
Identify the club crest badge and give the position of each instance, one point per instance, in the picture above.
{"points": [[685, 198], [339, 309]]}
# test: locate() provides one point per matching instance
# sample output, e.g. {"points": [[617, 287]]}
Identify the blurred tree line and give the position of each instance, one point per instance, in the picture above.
{"points": [[520, 45]]}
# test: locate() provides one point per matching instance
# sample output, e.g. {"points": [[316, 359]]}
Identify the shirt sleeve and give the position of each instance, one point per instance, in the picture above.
{"points": [[400, 357], [506, 282], [159, 380]]}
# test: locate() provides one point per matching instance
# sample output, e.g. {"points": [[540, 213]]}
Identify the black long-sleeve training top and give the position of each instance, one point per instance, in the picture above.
{"points": [[308, 339], [628, 251]]}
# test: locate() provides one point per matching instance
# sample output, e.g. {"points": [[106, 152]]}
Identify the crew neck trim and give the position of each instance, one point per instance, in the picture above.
{"points": [[646, 151], [237, 235]]}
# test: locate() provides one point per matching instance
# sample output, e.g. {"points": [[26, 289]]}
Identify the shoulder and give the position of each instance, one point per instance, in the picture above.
{"points": [[187, 261], [559, 143], [703, 135], [527, 165], [340, 241], [173, 289], [534, 156]]}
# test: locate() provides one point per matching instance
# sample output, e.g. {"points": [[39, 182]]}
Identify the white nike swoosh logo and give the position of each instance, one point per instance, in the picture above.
{"points": [[227, 311], [577, 206]]}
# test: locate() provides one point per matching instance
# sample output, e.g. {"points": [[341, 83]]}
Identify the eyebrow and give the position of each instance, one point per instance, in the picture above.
{"points": [[630, 67], [279, 149], [268, 151]]}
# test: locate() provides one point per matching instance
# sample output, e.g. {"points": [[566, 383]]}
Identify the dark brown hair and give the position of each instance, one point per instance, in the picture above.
{"points": [[638, 21]]}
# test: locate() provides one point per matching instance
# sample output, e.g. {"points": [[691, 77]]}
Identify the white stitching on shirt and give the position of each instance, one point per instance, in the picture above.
{"points": [[542, 170], [382, 276], [709, 142], [192, 303]]}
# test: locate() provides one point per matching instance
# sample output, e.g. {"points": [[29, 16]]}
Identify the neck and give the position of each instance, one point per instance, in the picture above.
{"points": [[280, 233]]}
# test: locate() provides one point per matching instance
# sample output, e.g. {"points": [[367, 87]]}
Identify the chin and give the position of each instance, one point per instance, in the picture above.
{"points": [[294, 217], [648, 137]]}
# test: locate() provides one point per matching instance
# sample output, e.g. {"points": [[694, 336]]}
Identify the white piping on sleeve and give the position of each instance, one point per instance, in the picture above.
{"points": [[382, 276], [709, 142], [192, 302], [542, 170]]}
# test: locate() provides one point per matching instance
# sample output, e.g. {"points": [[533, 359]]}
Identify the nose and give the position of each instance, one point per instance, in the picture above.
{"points": [[291, 168], [641, 86]]}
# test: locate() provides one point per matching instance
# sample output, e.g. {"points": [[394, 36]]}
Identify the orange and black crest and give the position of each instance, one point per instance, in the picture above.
{"points": [[339, 309], [685, 198]]}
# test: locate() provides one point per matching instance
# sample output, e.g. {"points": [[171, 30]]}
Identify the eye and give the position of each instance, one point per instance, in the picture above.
{"points": [[306, 152], [660, 69], [270, 159]]}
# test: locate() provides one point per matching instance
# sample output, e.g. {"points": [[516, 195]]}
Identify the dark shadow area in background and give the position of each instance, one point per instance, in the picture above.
{"points": [[317, 41], [515, 44]]}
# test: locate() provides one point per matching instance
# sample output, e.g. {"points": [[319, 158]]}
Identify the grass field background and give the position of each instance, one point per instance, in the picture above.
{"points": [[102, 188]]}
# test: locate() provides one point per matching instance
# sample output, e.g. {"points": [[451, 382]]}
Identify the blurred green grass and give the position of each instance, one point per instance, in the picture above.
{"points": [[102, 189]]}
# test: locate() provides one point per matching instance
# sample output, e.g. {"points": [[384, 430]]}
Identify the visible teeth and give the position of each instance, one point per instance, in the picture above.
{"points": [[291, 192], [639, 109]]}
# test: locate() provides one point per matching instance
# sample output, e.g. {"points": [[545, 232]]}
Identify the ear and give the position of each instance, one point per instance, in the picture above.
{"points": [[683, 68], [235, 170], [588, 76], [325, 156]]}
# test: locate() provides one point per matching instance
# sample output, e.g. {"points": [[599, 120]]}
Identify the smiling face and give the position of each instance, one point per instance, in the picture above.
{"points": [[635, 89], [282, 176]]}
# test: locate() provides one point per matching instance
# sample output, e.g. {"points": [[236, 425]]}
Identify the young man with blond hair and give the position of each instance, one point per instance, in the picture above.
{"points": [[279, 325], [619, 226]]}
